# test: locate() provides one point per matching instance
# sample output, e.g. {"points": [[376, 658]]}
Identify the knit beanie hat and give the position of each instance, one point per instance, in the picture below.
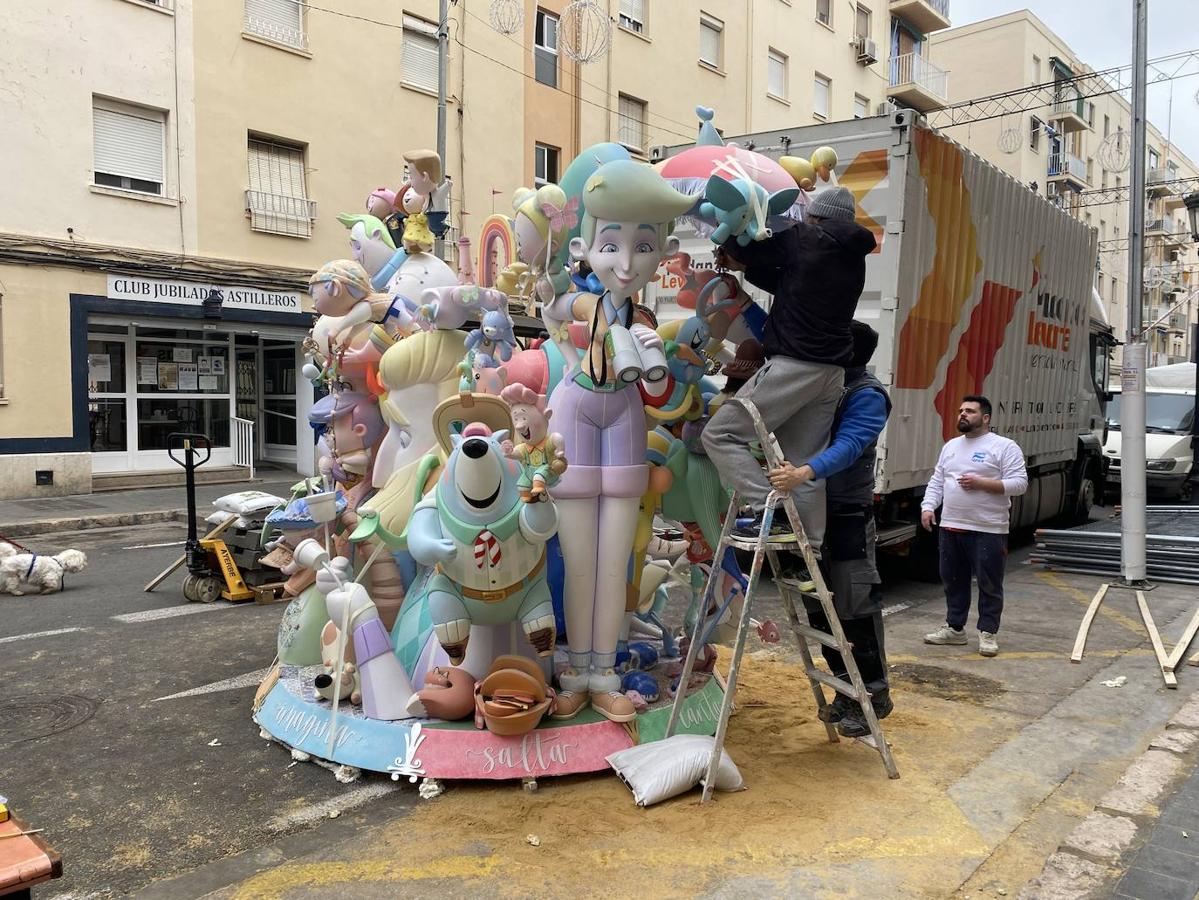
{"points": [[837, 203]]}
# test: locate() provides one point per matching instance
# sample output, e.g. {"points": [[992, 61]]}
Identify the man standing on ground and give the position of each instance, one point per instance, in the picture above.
{"points": [[815, 270], [849, 540], [973, 482]]}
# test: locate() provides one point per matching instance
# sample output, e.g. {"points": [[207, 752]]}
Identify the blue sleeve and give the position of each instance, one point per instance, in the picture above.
{"points": [[863, 420]]}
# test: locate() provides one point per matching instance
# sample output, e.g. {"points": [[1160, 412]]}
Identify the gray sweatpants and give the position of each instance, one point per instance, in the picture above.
{"points": [[797, 401]]}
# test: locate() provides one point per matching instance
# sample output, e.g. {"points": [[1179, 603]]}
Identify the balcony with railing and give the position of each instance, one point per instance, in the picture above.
{"points": [[1157, 181], [1069, 110], [923, 15], [1156, 227], [1067, 168], [917, 83], [279, 214], [277, 23]]}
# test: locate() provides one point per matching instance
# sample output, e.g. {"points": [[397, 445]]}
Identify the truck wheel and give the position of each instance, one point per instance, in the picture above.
{"points": [[1184, 492], [1085, 502]]}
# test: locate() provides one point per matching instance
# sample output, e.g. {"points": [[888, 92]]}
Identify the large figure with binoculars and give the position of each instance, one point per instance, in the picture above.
{"points": [[628, 213]]}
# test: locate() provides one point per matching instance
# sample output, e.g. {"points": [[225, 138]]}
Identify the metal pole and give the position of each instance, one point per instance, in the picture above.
{"points": [[443, 73], [1132, 373]]}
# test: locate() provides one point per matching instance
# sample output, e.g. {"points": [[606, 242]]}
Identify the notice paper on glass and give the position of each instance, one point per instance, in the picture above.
{"points": [[168, 376], [188, 377], [99, 367], [209, 383], [218, 365], [205, 364], [181, 354], [147, 370]]}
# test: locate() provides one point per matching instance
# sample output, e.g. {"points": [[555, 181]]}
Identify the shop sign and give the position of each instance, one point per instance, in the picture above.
{"points": [[191, 293]]}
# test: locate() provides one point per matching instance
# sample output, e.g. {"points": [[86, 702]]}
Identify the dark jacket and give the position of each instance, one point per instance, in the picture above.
{"points": [[816, 272]]}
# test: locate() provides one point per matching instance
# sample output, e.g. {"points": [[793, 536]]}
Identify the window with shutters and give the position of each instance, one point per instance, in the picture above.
{"points": [[861, 106], [128, 147], [276, 200], [545, 49], [545, 164], [711, 41], [420, 54], [632, 15], [822, 90], [631, 117], [280, 21], [776, 75]]}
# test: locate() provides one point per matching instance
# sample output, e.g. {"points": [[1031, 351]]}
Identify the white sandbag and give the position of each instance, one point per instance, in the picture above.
{"points": [[219, 518], [664, 769], [246, 503]]}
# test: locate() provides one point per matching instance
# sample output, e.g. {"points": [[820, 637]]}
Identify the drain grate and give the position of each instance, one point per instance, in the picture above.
{"points": [[41, 715]]}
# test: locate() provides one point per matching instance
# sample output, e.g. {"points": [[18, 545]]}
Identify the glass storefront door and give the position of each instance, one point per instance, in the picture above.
{"points": [[145, 382]]}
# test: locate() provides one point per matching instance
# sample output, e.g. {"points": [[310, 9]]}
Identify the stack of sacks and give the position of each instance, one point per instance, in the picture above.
{"points": [[243, 537]]}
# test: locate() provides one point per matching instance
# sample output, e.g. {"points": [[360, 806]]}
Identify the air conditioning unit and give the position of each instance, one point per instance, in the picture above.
{"points": [[867, 51], [1051, 189], [884, 109], [658, 153]]}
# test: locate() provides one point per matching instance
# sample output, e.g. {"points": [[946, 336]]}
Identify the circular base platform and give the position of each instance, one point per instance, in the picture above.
{"points": [[294, 715]]}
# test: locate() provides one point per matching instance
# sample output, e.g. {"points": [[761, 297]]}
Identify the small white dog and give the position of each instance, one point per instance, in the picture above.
{"points": [[38, 573]]}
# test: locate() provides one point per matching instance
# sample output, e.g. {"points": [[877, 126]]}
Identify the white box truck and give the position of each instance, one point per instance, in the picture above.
{"points": [[978, 286]]}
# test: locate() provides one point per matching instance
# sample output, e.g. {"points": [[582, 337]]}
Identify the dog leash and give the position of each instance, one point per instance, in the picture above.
{"points": [[8, 540]]}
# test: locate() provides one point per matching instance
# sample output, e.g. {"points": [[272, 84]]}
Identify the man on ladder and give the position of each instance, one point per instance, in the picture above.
{"points": [[848, 559], [816, 271]]}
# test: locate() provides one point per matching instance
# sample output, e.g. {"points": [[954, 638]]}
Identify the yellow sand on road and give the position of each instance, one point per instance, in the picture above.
{"points": [[810, 805]]}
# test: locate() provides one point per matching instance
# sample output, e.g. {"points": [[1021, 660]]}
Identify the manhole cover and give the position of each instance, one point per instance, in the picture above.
{"points": [[40, 715]]}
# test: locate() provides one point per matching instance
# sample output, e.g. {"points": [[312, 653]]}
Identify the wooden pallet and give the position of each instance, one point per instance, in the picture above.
{"points": [[271, 593]]}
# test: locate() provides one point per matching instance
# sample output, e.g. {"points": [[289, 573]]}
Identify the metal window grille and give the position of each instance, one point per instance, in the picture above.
{"points": [[631, 122], [276, 200], [281, 21]]}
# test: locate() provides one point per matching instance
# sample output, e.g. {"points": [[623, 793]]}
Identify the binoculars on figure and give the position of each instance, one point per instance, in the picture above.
{"points": [[633, 361]]}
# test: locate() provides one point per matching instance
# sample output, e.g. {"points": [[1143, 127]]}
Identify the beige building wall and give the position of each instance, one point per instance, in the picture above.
{"points": [[1014, 50]]}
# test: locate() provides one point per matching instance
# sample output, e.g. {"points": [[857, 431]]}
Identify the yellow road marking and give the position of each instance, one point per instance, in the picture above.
{"points": [[1059, 584]]}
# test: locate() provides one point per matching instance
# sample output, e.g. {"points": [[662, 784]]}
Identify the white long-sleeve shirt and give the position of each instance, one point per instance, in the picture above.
{"points": [[988, 456]]}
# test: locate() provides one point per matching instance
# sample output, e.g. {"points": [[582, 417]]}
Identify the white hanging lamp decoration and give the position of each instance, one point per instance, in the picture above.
{"points": [[1010, 139], [1115, 151], [507, 16], [584, 31]]}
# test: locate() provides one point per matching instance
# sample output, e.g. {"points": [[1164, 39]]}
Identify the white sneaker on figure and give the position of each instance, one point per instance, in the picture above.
{"points": [[946, 635], [987, 645]]}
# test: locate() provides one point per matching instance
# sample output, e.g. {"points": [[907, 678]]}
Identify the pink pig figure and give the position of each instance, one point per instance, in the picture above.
{"points": [[540, 454]]}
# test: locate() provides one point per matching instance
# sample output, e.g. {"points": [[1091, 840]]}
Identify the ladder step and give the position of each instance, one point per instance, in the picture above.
{"points": [[751, 544], [807, 588], [837, 684], [817, 635]]}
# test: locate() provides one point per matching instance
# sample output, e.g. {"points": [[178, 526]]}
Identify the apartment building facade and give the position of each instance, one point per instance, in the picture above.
{"points": [[182, 165], [1072, 151]]}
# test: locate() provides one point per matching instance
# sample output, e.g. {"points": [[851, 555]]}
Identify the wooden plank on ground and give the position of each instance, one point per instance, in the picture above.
{"points": [[1184, 642], [1084, 629], [1156, 639]]}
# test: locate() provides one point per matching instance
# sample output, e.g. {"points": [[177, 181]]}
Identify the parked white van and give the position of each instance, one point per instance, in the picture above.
{"points": [[1169, 420]]}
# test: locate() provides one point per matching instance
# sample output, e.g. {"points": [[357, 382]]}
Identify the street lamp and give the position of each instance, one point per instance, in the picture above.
{"points": [[1192, 205]]}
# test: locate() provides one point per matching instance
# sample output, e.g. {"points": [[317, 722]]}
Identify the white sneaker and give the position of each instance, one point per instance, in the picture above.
{"points": [[946, 635], [987, 645]]}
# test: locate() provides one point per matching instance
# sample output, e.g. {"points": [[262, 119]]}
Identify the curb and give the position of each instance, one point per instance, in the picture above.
{"points": [[84, 523], [1096, 854]]}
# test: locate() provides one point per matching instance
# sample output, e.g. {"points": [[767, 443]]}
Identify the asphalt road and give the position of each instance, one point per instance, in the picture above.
{"points": [[131, 782]]}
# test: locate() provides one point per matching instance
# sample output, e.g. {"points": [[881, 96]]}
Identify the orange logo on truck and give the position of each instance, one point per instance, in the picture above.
{"points": [[979, 346], [956, 263]]}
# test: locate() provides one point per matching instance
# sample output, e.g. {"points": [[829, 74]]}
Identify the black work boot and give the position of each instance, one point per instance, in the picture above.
{"points": [[853, 724]]}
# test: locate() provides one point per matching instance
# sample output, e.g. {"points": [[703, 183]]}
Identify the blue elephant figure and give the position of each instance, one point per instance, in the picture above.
{"points": [[732, 205]]}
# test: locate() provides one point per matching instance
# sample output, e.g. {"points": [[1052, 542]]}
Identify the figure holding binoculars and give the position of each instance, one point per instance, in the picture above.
{"points": [[628, 212]]}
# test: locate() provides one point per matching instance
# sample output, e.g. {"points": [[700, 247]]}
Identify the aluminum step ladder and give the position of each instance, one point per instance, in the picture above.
{"points": [[765, 549]]}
